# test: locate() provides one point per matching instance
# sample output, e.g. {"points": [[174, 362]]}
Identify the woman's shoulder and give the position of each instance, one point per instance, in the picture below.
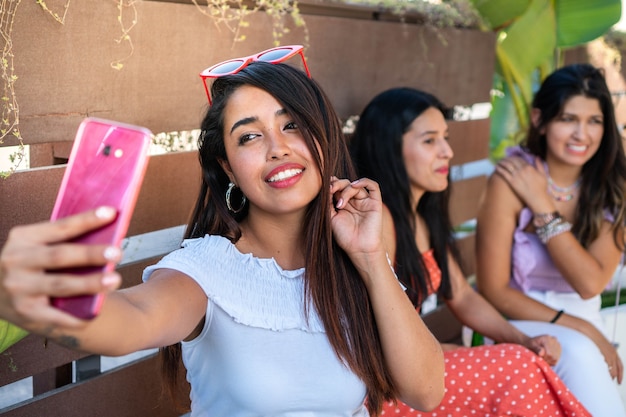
{"points": [[254, 291], [518, 151], [221, 254], [498, 189], [209, 248], [499, 201], [194, 255], [214, 242]]}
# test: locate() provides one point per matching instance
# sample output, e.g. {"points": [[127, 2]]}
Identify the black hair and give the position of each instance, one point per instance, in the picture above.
{"points": [[376, 149], [604, 175], [332, 284]]}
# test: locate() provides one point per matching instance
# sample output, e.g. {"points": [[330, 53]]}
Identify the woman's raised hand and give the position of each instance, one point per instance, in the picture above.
{"points": [[530, 182], [32, 254], [356, 215]]}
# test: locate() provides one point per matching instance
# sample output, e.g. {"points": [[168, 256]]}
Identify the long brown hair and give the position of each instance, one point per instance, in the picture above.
{"points": [[333, 286], [604, 175]]}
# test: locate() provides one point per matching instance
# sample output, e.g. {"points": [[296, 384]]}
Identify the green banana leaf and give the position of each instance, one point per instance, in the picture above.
{"points": [[498, 13], [581, 21], [525, 45], [503, 110], [530, 35], [9, 335]]}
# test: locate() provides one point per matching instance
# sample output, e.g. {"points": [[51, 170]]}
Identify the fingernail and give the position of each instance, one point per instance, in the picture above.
{"points": [[105, 212], [355, 182], [110, 279], [339, 203], [112, 253]]}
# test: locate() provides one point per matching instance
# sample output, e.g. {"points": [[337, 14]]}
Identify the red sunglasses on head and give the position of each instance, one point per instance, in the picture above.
{"points": [[233, 66]]}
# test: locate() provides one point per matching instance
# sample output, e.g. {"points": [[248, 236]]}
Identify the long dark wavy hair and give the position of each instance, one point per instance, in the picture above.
{"points": [[604, 175], [333, 286], [376, 149]]}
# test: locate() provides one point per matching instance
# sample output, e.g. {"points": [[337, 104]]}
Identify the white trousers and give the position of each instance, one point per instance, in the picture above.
{"points": [[581, 367], [572, 304]]}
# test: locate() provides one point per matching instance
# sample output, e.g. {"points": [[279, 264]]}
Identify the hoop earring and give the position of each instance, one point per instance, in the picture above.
{"points": [[231, 186]]}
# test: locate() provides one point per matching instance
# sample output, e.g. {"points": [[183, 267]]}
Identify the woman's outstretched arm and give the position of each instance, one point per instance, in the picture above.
{"points": [[132, 319]]}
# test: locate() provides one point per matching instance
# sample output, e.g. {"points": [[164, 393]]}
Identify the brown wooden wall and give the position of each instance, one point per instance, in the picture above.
{"points": [[64, 71], [65, 75]]}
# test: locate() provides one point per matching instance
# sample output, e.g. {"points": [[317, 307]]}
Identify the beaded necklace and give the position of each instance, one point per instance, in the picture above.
{"points": [[562, 193]]}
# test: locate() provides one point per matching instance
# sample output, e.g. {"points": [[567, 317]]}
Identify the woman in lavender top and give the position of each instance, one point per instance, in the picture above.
{"points": [[550, 230]]}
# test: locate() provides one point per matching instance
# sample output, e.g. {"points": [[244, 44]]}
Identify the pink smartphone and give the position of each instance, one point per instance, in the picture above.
{"points": [[105, 168]]}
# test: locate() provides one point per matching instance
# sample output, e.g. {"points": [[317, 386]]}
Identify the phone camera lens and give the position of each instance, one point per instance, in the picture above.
{"points": [[107, 150]]}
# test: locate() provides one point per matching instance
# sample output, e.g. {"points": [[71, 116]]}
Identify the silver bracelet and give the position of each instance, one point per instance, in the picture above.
{"points": [[543, 230], [554, 228]]}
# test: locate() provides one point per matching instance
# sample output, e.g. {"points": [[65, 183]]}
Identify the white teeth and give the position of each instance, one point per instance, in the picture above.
{"points": [[282, 175], [577, 148]]}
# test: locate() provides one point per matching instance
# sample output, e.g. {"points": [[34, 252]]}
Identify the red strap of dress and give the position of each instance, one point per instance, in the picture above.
{"points": [[433, 270]]}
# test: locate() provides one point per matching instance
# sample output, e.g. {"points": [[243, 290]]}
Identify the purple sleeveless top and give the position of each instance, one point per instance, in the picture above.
{"points": [[531, 265]]}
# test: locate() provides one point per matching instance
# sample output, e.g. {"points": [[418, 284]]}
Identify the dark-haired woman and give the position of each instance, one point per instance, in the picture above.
{"points": [[282, 294], [551, 230], [401, 142]]}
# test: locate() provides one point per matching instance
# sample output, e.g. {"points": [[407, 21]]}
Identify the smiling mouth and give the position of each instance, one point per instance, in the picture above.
{"points": [[577, 148], [283, 175]]}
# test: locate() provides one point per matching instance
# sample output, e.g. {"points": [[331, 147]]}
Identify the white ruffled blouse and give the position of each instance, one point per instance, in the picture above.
{"points": [[258, 355]]}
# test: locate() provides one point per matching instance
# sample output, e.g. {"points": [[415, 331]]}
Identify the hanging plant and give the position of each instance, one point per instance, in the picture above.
{"points": [[232, 15], [59, 18], [122, 6], [9, 124]]}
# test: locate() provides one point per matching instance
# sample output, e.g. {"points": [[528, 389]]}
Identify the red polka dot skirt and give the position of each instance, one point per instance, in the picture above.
{"points": [[498, 380]]}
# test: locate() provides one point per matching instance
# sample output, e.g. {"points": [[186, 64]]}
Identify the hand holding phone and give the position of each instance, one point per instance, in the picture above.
{"points": [[106, 168]]}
